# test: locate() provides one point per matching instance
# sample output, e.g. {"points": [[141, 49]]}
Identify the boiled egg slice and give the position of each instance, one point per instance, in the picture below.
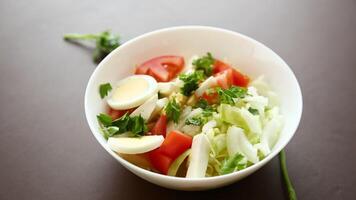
{"points": [[135, 145], [132, 92]]}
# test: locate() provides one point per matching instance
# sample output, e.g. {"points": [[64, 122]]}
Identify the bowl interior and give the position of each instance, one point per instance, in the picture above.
{"points": [[245, 54]]}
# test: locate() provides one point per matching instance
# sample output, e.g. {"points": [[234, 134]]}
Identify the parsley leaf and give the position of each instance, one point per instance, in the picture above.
{"points": [[205, 64], [207, 109], [137, 125], [191, 82], [253, 111], [125, 123], [105, 42], [173, 110], [122, 123], [197, 121], [202, 103], [104, 89], [104, 119], [232, 164], [227, 96]]}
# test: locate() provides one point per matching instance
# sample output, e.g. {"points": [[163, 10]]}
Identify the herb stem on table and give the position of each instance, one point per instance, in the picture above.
{"points": [[105, 42], [291, 192]]}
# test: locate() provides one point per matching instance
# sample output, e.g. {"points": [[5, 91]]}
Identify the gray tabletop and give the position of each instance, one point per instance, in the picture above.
{"points": [[48, 152]]}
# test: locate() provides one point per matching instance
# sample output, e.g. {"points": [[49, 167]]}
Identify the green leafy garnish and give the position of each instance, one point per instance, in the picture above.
{"points": [[253, 111], [291, 192], [104, 89], [104, 119], [191, 82], [205, 64], [227, 96], [105, 43], [207, 109], [202, 103], [122, 123], [173, 110], [136, 125], [196, 121], [232, 164]]}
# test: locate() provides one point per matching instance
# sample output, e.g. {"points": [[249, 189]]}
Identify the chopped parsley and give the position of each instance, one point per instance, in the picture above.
{"points": [[205, 64], [104, 119], [197, 121], [207, 109], [202, 103], [228, 95], [136, 125], [191, 82], [104, 89], [173, 110], [253, 111]]}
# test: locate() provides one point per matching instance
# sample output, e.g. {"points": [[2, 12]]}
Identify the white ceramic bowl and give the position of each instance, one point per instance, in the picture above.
{"points": [[250, 56]]}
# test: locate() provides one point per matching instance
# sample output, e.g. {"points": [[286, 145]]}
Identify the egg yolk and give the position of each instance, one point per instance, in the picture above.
{"points": [[130, 89]]}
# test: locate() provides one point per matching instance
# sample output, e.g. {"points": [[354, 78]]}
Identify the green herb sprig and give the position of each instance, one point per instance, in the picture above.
{"points": [[205, 64], [136, 125], [228, 95], [104, 89], [105, 42], [191, 82], [173, 110]]}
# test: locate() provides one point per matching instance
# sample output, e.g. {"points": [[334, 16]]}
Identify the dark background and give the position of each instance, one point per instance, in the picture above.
{"points": [[48, 152]]}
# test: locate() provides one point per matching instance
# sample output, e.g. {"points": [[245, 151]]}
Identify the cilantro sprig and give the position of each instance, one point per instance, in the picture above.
{"points": [[105, 42], [207, 109], [136, 125], [228, 95], [205, 64], [253, 111], [173, 110], [196, 121], [191, 82], [104, 89]]}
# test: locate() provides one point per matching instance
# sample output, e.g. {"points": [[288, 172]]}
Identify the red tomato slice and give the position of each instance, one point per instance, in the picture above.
{"points": [[159, 73], [223, 79], [220, 66], [211, 98], [142, 69], [172, 65], [240, 79], [160, 127], [160, 161], [175, 144], [115, 114]]}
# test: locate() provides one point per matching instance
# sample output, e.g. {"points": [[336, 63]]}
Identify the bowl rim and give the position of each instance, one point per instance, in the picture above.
{"points": [[133, 167]]}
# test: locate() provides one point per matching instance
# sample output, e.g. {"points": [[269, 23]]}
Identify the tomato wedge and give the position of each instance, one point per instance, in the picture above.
{"points": [[175, 144], [220, 66], [162, 68], [211, 98], [160, 127], [159, 73], [224, 79], [115, 114], [239, 79], [160, 161]]}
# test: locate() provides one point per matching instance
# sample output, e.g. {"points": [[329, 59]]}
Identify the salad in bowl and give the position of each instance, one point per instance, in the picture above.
{"points": [[197, 117]]}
